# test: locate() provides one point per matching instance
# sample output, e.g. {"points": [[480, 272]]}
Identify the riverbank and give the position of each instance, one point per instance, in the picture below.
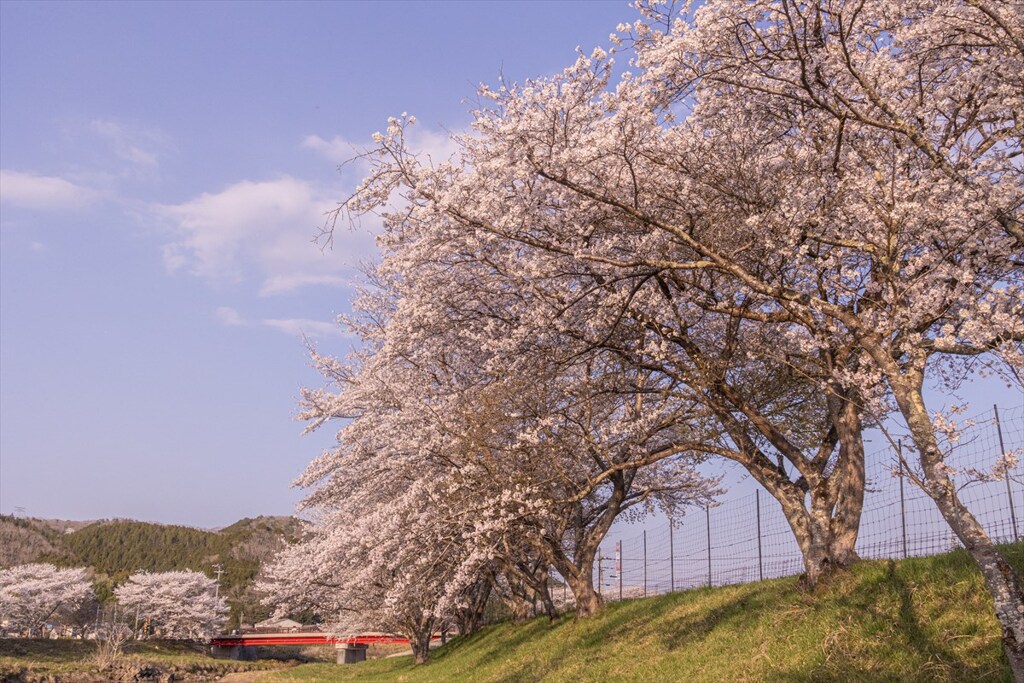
{"points": [[71, 661]]}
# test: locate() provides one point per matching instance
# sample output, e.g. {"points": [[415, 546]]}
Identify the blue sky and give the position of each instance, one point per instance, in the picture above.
{"points": [[165, 167]]}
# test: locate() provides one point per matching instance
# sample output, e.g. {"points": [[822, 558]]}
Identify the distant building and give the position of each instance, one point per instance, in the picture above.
{"points": [[279, 624]]}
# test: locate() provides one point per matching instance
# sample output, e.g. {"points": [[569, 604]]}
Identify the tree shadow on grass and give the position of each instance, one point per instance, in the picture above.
{"points": [[739, 612], [495, 643]]}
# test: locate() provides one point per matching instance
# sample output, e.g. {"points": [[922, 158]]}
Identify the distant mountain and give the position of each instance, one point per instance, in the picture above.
{"points": [[117, 548], [25, 540]]}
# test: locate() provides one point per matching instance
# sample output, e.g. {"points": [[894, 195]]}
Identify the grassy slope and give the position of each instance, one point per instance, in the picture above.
{"points": [[917, 620]]}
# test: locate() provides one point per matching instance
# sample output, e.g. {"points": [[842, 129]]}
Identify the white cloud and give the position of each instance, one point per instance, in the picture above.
{"points": [[298, 327], [262, 228], [337, 149], [130, 143], [230, 317], [285, 284], [433, 146], [302, 327], [269, 228], [51, 193]]}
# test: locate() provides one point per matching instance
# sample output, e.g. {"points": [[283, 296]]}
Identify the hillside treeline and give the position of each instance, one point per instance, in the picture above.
{"points": [[114, 549]]}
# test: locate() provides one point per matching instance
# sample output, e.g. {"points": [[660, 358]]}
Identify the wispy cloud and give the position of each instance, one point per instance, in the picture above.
{"points": [[303, 327], [433, 146], [286, 284], [337, 149], [229, 317], [134, 144], [297, 327], [48, 193]]}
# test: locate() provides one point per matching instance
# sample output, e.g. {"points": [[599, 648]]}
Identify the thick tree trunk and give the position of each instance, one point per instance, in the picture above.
{"points": [[826, 539], [823, 508], [420, 646], [813, 532], [578, 570], [420, 632], [588, 601], [1003, 583]]}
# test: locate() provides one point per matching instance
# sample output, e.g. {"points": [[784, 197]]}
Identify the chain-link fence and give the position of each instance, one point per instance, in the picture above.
{"points": [[747, 539]]}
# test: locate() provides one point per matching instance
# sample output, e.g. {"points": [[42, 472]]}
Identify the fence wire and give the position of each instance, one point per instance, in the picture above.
{"points": [[747, 538]]}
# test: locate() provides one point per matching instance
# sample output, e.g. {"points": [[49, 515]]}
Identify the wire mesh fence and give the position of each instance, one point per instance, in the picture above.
{"points": [[746, 539]]}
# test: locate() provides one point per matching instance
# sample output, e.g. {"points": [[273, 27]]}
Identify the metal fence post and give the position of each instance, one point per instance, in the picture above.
{"points": [[619, 563], [903, 508], [671, 556], [707, 516], [760, 559], [645, 563], [1006, 475]]}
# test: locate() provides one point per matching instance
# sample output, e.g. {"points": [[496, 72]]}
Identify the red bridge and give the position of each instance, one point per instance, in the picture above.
{"points": [[351, 649], [307, 638]]}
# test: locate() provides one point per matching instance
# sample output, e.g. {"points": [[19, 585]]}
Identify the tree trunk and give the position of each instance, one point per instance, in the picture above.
{"points": [[847, 485], [420, 642], [826, 525], [549, 604], [588, 601], [826, 540], [469, 618], [1002, 581]]}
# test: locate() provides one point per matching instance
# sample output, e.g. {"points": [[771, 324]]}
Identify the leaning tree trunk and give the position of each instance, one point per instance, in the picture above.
{"points": [[419, 638], [579, 570], [581, 583], [543, 592], [1003, 583], [469, 618], [549, 605]]}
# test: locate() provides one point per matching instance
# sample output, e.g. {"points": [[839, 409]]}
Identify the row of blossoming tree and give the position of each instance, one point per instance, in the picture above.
{"points": [[177, 605], [781, 224]]}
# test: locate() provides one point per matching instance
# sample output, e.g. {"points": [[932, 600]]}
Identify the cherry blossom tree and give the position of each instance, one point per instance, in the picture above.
{"points": [[180, 605], [842, 179], [524, 290], [380, 558], [32, 595], [544, 454]]}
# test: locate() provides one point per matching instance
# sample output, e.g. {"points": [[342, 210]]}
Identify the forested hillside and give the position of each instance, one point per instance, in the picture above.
{"points": [[116, 548]]}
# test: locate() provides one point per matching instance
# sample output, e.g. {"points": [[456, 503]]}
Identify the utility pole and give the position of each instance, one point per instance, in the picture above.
{"points": [[219, 572]]}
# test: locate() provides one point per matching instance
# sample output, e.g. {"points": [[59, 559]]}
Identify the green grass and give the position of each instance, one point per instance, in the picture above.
{"points": [[924, 619]]}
